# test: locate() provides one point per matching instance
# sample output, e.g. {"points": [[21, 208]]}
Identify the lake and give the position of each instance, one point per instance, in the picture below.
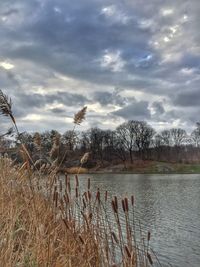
{"points": [[168, 206]]}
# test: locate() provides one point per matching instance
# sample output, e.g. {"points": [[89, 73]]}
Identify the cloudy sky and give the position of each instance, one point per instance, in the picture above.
{"points": [[128, 59]]}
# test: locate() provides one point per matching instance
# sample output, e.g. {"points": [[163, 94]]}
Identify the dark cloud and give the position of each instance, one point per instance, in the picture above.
{"points": [[135, 111], [158, 107], [57, 110], [25, 104], [150, 47], [188, 99], [107, 98]]}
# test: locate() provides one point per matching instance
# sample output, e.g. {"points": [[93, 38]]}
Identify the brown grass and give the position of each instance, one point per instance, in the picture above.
{"points": [[75, 170], [46, 221], [53, 225]]}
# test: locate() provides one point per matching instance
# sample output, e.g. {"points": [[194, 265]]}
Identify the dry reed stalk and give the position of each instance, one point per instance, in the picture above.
{"points": [[73, 228], [37, 141]]}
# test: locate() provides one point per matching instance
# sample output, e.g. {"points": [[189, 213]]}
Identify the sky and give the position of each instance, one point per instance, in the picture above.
{"points": [[125, 60]]}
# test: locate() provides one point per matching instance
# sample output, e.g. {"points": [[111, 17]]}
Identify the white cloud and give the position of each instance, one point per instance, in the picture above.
{"points": [[167, 12], [146, 23], [112, 60], [188, 71], [109, 10], [184, 18], [33, 117], [6, 65], [114, 14], [166, 39], [174, 29]]}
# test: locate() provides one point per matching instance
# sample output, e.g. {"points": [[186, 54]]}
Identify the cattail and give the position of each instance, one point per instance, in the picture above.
{"points": [[116, 202], [113, 206], [149, 258], [98, 195], [132, 200], [123, 205], [88, 185], [106, 195], [126, 203], [81, 239], [84, 204], [127, 251], [79, 117], [85, 158], [148, 236], [69, 187], [76, 192], [77, 181], [54, 193]]}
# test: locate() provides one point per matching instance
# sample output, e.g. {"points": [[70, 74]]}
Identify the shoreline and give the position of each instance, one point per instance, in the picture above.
{"points": [[147, 168]]}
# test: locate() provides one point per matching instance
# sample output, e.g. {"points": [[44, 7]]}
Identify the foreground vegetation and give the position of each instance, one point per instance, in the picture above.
{"points": [[49, 222]]}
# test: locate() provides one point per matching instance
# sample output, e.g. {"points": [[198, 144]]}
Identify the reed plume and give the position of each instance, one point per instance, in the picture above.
{"points": [[85, 158], [54, 152], [5, 105], [79, 117]]}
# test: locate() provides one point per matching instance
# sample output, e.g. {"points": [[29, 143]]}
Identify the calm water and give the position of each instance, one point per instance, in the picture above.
{"points": [[168, 205]]}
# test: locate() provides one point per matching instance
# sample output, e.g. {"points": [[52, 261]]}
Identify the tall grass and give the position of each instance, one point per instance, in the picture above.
{"points": [[64, 226], [46, 220]]}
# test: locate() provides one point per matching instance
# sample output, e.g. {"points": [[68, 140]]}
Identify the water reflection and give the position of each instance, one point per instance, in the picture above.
{"points": [[168, 205]]}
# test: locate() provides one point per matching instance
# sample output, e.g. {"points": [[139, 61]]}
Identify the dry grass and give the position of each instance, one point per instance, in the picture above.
{"points": [[52, 225], [75, 170], [46, 221]]}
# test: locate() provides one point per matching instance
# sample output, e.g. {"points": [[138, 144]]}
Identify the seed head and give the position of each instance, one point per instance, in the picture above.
{"points": [[85, 158], [79, 117], [6, 105]]}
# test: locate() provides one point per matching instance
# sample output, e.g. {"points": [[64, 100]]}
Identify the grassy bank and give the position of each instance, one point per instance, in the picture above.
{"points": [[45, 222], [149, 167]]}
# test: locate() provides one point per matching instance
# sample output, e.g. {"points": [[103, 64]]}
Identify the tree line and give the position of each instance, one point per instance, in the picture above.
{"points": [[129, 141]]}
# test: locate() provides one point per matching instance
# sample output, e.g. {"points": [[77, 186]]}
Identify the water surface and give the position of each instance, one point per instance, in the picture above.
{"points": [[168, 206]]}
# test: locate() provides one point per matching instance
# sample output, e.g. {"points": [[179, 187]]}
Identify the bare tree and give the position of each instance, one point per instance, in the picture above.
{"points": [[178, 136], [126, 138], [195, 135], [70, 140], [143, 136]]}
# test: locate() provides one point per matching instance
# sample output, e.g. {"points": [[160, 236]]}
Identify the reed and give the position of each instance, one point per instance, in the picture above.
{"points": [[46, 220], [71, 228]]}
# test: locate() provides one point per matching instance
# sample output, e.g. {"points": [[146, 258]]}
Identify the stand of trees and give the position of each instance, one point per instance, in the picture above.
{"points": [[129, 141]]}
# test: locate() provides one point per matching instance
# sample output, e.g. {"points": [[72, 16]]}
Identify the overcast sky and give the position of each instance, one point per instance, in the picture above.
{"points": [[131, 59]]}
